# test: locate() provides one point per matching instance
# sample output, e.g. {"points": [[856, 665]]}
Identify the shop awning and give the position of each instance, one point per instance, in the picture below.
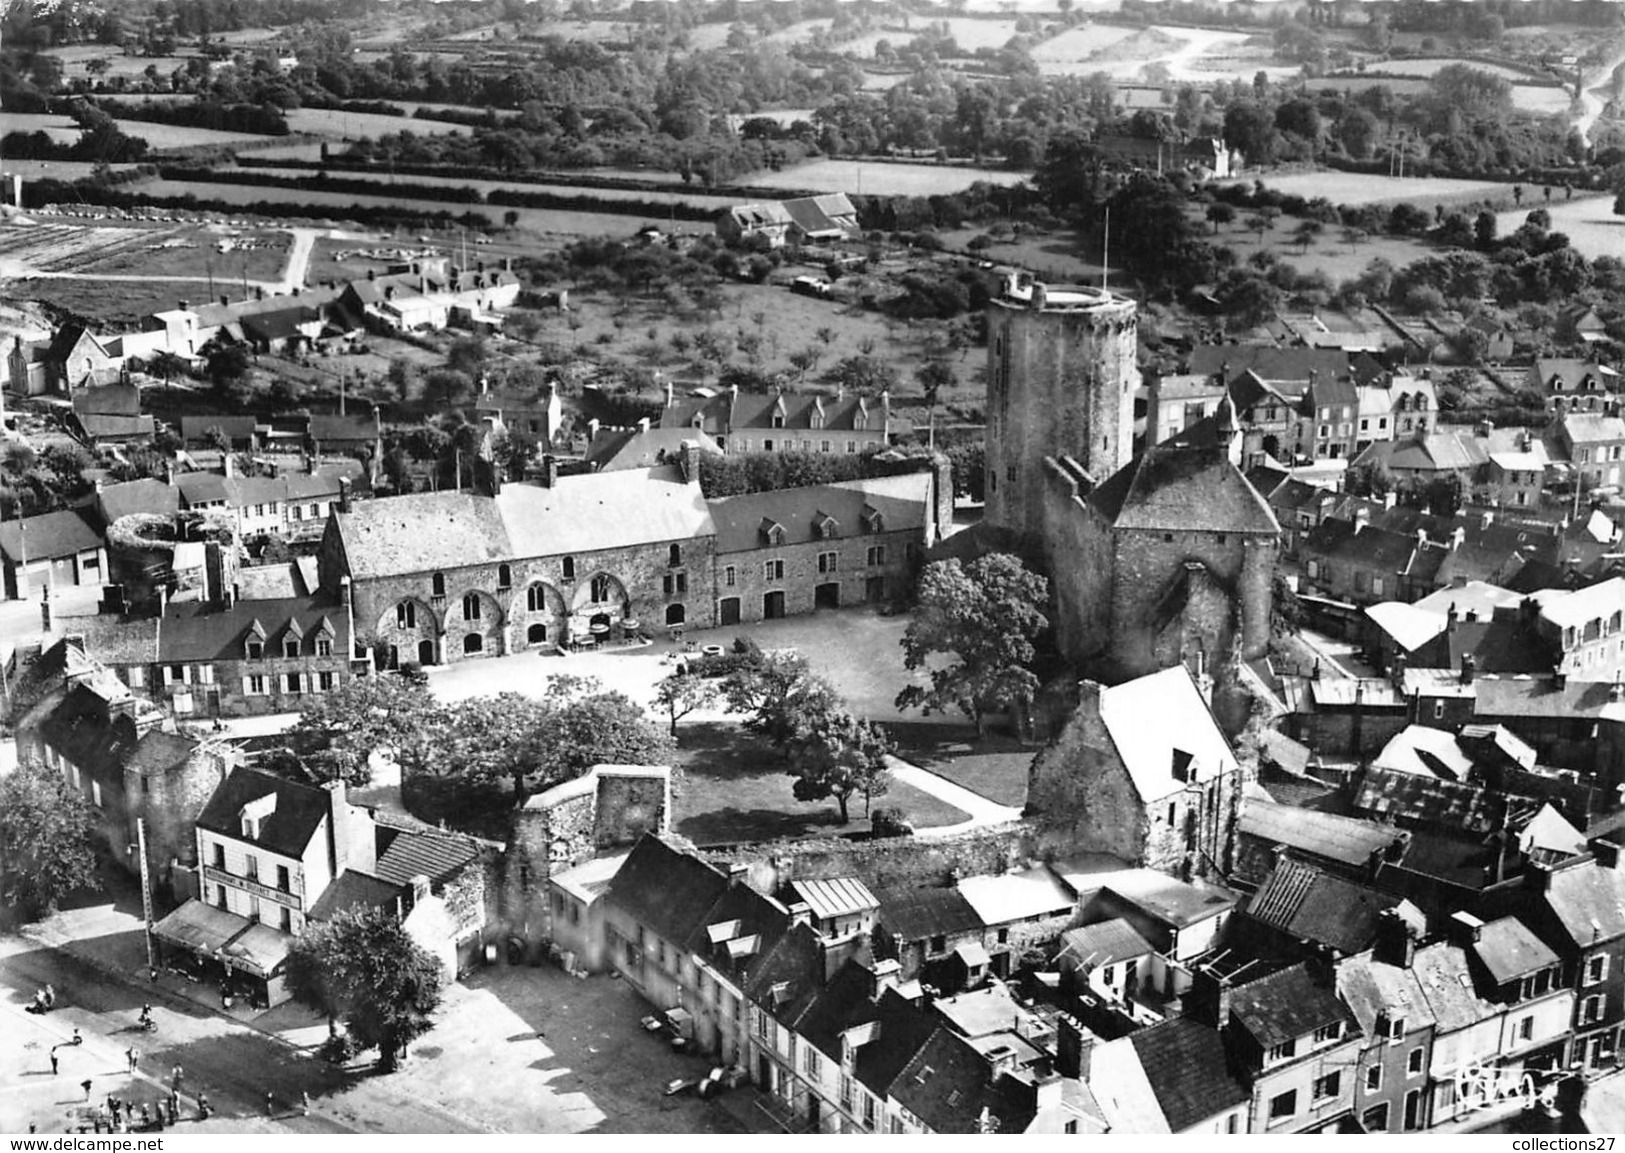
{"points": [[200, 927], [260, 949]]}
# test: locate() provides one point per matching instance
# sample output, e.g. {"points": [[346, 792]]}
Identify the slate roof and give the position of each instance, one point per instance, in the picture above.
{"points": [[947, 1087], [1593, 428], [1336, 838], [665, 889], [1372, 988], [300, 810], [746, 913], [1450, 804], [1571, 371], [602, 511], [80, 728], [1446, 981], [1105, 943], [1268, 362], [198, 488], [193, 427], [1168, 899], [1286, 1005], [916, 914], [197, 631], [828, 215], [1427, 752], [1176, 489], [108, 400], [353, 890], [1588, 901], [50, 536], [903, 503], [1508, 950], [731, 411], [1408, 626], [1367, 546], [1310, 905], [1188, 1070], [619, 448], [138, 496]]}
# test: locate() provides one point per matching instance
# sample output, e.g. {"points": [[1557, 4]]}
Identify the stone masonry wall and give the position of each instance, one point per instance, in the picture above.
{"points": [[1079, 794], [802, 578]]}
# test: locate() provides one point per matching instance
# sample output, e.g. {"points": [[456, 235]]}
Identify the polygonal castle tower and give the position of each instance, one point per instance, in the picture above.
{"points": [[1061, 378]]}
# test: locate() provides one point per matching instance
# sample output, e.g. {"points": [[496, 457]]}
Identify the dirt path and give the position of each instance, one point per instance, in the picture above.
{"points": [[983, 812]]}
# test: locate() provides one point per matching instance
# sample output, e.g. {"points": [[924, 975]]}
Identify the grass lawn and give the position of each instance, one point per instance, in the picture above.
{"points": [[732, 788], [1330, 254], [879, 179], [994, 766], [1358, 188]]}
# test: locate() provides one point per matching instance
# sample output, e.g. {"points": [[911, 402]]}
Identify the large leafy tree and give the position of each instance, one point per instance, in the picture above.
{"points": [[983, 618], [775, 691], [337, 736], [834, 754], [363, 968], [581, 725], [45, 840], [683, 693]]}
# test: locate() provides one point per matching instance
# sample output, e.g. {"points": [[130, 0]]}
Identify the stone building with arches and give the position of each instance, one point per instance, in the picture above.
{"points": [[441, 577]]}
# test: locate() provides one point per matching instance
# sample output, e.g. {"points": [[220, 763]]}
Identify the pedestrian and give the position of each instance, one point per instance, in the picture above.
{"points": [[53, 1062], [174, 1107], [146, 1115], [175, 1076], [50, 997], [270, 1104], [304, 1101], [77, 1040], [133, 1056], [85, 1085], [202, 1106]]}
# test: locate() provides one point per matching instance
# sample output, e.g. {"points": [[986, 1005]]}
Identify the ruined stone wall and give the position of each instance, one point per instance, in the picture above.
{"points": [[1079, 794], [901, 862], [1077, 547]]}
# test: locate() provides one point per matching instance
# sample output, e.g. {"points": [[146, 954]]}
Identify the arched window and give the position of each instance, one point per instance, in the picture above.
{"points": [[406, 615], [504, 576], [674, 555], [473, 643], [471, 606], [569, 566], [536, 598], [600, 589], [674, 614], [437, 584]]}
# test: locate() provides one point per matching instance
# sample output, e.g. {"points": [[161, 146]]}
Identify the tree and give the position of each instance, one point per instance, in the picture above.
{"points": [[1220, 214], [834, 754], [46, 832], [774, 690], [933, 376], [581, 725], [225, 363], [985, 615], [1306, 232], [337, 735], [1484, 229], [683, 693], [361, 966]]}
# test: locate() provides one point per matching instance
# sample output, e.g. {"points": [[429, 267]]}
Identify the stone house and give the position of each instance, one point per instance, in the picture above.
{"points": [[1596, 446], [922, 928], [786, 422], [442, 576], [1142, 771], [1176, 402], [1573, 384], [790, 551], [1579, 909], [1381, 989]]}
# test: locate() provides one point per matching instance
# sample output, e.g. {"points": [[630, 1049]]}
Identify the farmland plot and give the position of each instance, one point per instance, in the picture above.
{"points": [[1356, 188], [1589, 223], [63, 130], [333, 122], [882, 179]]}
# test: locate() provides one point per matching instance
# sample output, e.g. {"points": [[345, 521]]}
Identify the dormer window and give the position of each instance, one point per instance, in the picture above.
{"points": [[827, 527], [256, 650], [772, 532], [778, 420], [290, 647], [873, 521], [253, 815], [1329, 1032]]}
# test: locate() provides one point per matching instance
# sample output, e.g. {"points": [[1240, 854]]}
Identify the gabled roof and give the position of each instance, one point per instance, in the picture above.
{"points": [[1188, 1071], [1286, 1005], [916, 914], [404, 853], [198, 631], [1268, 362], [1194, 488], [1508, 950], [108, 400], [836, 897], [1336, 838], [1184, 733], [1588, 902], [1105, 943], [1427, 752], [421, 532], [1446, 981], [80, 727], [138, 496], [1431, 800], [1310, 905], [287, 830], [1365, 545], [601, 511], [947, 1086], [622, 448], [1571, 371], [50, 536], [903, 503], [353, 890], [667, 890], [202, 488], [1373, 988], [822, 215]]}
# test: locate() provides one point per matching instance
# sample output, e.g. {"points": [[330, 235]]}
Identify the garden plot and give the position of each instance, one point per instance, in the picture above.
{"points": [[338, 124], [1357, 188]]}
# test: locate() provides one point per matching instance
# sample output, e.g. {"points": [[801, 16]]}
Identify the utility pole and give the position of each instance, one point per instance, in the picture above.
{"points": [[1106, 251], [146, 891]]}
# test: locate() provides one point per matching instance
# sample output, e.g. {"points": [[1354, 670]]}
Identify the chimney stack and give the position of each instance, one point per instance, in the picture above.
{"points": [[1071, 1049], [338, 825], [689, 459], [1465, 928], [550, 471], [344, 494]]}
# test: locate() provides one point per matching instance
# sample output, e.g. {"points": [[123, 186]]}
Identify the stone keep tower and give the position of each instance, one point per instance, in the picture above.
{"points": [[1061, 377]]}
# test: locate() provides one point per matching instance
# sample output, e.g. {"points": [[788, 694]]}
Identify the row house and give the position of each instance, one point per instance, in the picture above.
{"points": [[1394, 408], [1573, 384], [1596, 448], [1382, 990], [787, 422], [231, 658], [1357, 563], [1579, 909], [1173, 1077]]}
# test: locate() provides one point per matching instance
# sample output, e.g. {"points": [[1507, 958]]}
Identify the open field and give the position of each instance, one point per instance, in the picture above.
{"points": [[56, 245], [1358, 188], [341, 125], [75, 57], [63, 130], [1589, 223], [1534, 98], [882, 179], [385, 179], [969, 34], [1330, 254], [1428, 66], [1078, 44]]}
